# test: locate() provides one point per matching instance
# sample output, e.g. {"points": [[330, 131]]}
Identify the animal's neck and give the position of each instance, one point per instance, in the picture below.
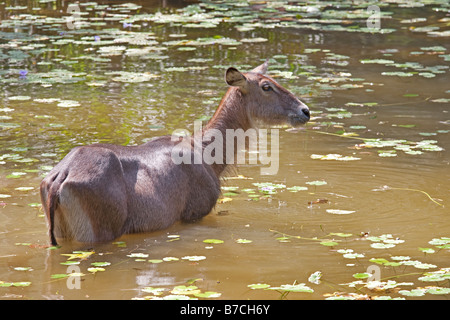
{"points": [[233, 114]]}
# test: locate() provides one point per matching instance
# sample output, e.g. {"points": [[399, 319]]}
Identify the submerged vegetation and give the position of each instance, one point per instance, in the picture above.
{"points": [[124, 73]]}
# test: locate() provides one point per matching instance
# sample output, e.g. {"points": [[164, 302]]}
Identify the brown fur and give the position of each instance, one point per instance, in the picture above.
{"points": [[99, 192]]}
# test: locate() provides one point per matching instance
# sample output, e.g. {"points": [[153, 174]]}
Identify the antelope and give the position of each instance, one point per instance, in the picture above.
{"points": [[99, 192]]}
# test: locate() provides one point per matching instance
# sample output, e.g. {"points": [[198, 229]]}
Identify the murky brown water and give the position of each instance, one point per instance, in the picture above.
{"points": [[289, 231]]}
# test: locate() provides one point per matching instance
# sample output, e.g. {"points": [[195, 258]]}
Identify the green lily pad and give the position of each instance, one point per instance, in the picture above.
{"points": [[258, 286], [208, 294], [438, 290], [338, 211], [329, 243], [19, 98], [301, 287], [317, 183], [243, 241], [427, 250], [155, 261], [68, 103], [213, 241], [413, 292], [100, 264], [194, 258], [315, 277]]}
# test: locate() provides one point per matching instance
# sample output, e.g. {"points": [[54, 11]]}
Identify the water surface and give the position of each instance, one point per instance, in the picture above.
{"points": [[135, 71]]}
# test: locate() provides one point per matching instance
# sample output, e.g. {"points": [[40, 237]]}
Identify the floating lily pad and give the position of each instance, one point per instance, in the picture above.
{"points": [[68, 103], [363, 275], [100, 264], [315, 277], [194, 258], [301, 287], [329, 243], [317, 183], [258, 286], [213, 241], [185, 290], [19, 98], [339, 211], [413, 292], [337, 157], [243, 241], [296, 189], [155, 261]]}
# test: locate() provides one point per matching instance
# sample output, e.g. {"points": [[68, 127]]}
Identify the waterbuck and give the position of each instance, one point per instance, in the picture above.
{"points": [[99, 192]]}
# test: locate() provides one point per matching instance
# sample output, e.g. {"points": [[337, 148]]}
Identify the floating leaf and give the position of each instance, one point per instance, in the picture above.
{"points": [[315, 277], [398, 73], [329, 243], [379, 260], [120, 244], [427, 250], [15, 175], [155, 261], [253, 40], [353, 255], [69, 263], [316, 183], [95, 269], [301, 287], [440, 241], [340, 234], [185, 290], [400, 258], [213, 241], [337, 157], [23, 269], [59, 275], [194, 258], [338, 211], [68, 104], [438, 290], [243, 241], [170, 259], [100, 264], [377, 61], [155, 291], [382, 245], [82, 255], [24, 188], [413, 292], [296, 189], [258, 286], [208, 294], [21, 284], [19, 98], [137, 255]]}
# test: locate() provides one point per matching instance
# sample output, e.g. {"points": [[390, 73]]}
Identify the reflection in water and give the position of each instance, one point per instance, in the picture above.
{"points": [[276, 229]]}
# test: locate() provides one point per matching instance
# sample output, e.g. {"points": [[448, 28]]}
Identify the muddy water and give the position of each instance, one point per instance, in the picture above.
{"points": [[396, 190]]}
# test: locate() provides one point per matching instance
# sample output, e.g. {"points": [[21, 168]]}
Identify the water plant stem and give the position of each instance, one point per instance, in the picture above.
{"points": [[417, 190]]}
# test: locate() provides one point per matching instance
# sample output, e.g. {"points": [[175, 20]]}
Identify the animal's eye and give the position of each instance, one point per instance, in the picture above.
{"points": [[266, 87]]}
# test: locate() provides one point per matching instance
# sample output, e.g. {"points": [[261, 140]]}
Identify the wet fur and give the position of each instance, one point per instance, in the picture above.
{"points": [[101, 191]]}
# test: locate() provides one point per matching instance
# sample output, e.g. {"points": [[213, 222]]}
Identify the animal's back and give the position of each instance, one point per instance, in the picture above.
{"points": [[103, 191]]}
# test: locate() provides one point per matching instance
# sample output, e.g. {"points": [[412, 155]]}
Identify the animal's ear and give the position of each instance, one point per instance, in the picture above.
{"points": [[234, 78], [262, 69]]}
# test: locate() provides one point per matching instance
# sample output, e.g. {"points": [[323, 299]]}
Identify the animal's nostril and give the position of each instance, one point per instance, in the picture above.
{"points": [[306, 112]]}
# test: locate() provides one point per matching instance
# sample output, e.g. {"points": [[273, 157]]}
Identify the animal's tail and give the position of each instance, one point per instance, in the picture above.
{"points": [[50, 197], [52, 201]]}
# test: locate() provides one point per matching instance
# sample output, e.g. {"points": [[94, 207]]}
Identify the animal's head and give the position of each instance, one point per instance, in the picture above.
{"points": [[266, 99]]}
